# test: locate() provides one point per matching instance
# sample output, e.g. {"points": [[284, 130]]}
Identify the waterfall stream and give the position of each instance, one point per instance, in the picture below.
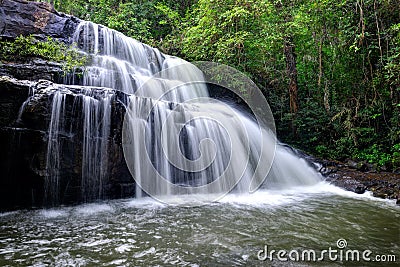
{"points": [[179, 134]]}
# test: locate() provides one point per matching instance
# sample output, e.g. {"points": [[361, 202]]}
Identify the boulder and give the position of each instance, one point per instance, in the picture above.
{"points": [[20, 17], [33, 69]]}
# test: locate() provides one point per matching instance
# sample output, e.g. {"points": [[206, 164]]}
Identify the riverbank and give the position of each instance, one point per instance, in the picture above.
{"points": [[359, 177]]}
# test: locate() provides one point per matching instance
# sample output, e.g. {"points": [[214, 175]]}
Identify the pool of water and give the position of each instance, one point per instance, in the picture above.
{"points": [[235, 231]]}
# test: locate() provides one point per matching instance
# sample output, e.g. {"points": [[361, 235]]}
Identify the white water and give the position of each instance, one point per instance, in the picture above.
{"points": [[30, 96], [96, 128], [53, 149], [188, 139]]}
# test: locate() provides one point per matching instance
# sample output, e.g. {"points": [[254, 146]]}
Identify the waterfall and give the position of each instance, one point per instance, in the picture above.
{"points": [[96, 130], [94, 121], [53, 149], [172, 128], [31, 94]]}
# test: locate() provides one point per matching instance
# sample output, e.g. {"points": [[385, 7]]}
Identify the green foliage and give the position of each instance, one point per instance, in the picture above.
{"points": [[231, 32], [149, 21], [27, 46], [396, 156], [378, 155]]}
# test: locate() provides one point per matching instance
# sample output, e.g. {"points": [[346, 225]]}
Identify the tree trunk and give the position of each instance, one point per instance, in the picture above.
{"points": [[290, 56]]}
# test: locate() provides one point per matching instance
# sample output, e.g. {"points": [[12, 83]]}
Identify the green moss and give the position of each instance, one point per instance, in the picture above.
{"points": [[24, 47]]}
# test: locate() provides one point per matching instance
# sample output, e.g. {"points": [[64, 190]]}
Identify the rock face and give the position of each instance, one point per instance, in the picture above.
{"points": [[27, 91], [20, 17], [33, 69], [24, 119], [24, 123]]}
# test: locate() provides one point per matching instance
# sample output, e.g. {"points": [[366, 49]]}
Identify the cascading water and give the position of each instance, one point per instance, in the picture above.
{"points": [[96, 129], [173, 124], [22, 109], [53, 148], [94, 121]]}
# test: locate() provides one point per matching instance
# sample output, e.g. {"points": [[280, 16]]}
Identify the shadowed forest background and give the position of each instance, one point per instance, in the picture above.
{"points": [[330, 69]]}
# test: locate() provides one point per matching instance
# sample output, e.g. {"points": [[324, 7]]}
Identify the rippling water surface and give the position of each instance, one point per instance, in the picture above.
{"points": [[227, 233]]}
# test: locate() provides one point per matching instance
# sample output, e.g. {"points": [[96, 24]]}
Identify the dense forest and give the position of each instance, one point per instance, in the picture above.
{"points": [[330, 69]]}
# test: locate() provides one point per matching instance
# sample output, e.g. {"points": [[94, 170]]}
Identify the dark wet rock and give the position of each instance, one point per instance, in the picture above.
{"points": [[20, 17], [33, 69], [13, 94], [360, 165], [347, 183], [327, 170], [352, 164], [350, 177], [325, 167], [357, 177], [24, 138]]}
